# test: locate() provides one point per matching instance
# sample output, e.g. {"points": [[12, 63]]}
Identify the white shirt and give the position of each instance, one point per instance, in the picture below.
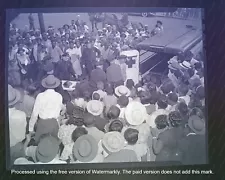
{"points": [[17, 126], [140, 149], [47, 105]]}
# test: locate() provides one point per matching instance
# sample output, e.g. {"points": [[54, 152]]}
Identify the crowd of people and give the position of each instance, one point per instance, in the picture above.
{"points": [[106, 118]]}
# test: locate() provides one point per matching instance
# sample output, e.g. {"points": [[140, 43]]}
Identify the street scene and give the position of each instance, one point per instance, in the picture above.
{"points": [[106, 87]]}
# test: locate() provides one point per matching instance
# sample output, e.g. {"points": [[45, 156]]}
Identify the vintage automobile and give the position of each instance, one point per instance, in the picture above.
{"points": [[155, 52]]}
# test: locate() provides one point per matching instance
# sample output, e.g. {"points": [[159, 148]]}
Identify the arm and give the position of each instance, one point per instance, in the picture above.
{"points": [[157, 145], [35, 113], [98, 51]]}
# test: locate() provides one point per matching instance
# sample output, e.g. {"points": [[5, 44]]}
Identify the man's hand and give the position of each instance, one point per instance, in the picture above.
{"points": [[153, 132]]}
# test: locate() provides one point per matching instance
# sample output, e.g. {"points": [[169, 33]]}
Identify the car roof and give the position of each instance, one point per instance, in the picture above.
{"points": [[172, 43]]}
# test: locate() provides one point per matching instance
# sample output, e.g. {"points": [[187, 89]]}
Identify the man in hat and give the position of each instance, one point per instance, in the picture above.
{"points": [[55, 52], [46, 41], [46, 151], [89, 56], [64, 69], [17, 118], [47, 108]]}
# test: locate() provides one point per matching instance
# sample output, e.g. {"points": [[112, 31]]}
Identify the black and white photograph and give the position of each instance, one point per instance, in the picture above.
{"points": [[106, 87]]}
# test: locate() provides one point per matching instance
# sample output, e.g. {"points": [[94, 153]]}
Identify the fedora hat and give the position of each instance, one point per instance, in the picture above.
{"points": [[135, 113], [85, 148], [185, 65], [196, 124], [113, 142], [50, 82], [151, 119], [95, 107], [13, 95], [47, 149], [122, 90]]}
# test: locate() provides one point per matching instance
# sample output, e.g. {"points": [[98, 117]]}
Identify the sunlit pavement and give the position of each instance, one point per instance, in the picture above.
{"points": [[59, 19]]}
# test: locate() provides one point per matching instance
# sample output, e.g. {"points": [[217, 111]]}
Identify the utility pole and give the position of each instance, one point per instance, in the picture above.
{"points": [[41, 22]]}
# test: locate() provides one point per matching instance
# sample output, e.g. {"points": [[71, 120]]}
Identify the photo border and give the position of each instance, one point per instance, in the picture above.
{"points": [[83, 166]]}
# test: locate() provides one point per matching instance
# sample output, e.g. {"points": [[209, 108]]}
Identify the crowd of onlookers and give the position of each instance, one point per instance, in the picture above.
{"points": [[106, 117]]}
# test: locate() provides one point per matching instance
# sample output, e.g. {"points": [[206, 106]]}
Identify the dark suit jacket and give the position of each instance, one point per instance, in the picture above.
{"points": [[64, 70]]}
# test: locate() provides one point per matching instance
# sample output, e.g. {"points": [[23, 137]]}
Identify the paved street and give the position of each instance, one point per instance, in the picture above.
{"points": [[59, 19]]}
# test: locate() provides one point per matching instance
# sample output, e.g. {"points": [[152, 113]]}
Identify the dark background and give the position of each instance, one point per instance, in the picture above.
{"points": [[215, 79]]}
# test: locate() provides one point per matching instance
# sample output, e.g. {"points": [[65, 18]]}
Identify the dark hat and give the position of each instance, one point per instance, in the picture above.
{"points": [[50, 82], [47, 149], [182, 108], [172, 98], [109, 89], [49, 67], [167, 87], [85, 148], [116, 125], [113, 112], [160, 22], [88, 119], [200, 92], [130, 83], [123, 101], [131, 136], [78, 132], [100, 123]]}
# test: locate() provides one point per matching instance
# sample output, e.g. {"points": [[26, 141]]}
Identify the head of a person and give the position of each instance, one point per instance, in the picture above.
{"points": [[66, 26], [71, 44], [123, 101], [183, 90], [109, 90], [154, 97], [175, 119], [200, 92], [172, 98], [96, 96], [65, 57], [183, 108], [113, 112], [100, 85], [167, 87], [161, 121], [191, 72], [130, 83], [44, 36], [67, 35], [159, 23], [116, 125], [131, 136], [188, 56], [77, 43], [162, 102], [78, 132], [72, 22], [53, 43], [198, 66], [21, 51]]}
